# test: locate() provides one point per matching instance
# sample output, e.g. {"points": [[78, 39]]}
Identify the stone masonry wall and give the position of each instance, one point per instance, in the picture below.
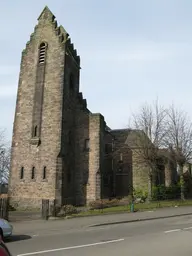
{"points": [[108, 174], [81, 154], [27, 192], [140, 173], [69, 126], [122, 163], [168, 175], [96, 156]]}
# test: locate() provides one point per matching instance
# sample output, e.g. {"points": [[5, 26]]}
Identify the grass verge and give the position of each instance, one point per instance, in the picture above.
{"points": [[137, 207]]}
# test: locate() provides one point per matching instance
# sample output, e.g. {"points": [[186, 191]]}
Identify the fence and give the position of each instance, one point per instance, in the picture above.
{"points": [[45, 209], [48, 208], [4, 208]]}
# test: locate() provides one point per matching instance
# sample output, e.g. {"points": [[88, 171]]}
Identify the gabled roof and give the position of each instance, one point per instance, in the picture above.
{"points": [[120, 135], [130, 137], [47, 11]]}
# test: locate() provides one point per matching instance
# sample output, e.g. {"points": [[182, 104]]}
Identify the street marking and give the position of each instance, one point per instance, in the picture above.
{"points": [[170, 231], [72, 247], [187, 228], [176, 230]]}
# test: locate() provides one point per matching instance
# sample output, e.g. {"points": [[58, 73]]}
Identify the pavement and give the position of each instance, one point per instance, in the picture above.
{"points": [[166, 231], [15, 216]]}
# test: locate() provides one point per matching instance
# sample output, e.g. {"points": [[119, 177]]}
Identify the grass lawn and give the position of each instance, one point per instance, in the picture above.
{"points": [[137, 207]]}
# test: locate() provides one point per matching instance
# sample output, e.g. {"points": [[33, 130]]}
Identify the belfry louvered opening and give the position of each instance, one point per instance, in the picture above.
{"points": [[42, 53]]}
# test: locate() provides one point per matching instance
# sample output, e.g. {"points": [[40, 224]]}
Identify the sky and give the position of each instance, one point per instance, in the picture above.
{"points": [[131, 52]]}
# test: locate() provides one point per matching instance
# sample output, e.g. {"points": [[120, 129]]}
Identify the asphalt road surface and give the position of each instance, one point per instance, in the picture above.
{"points": [[172, 236]]}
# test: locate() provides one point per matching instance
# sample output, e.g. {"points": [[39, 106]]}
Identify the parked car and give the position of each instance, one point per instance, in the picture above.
{"points": [[6, 229], [4, 251]]}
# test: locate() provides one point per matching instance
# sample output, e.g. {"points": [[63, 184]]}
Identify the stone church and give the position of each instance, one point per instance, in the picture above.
{"points": [[60, 149]]}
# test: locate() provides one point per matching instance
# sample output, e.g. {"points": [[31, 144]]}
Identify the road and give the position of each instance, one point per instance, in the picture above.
{"points": [[170, 236]]}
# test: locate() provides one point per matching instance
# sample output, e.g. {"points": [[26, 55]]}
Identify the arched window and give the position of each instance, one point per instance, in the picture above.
{"points": [[42, 51], [44, 172], [22, 173], [33, 173]]}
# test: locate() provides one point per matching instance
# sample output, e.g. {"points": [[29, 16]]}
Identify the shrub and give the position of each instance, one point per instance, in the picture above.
{"points": [[166, 193], [54, 210], [159, 192], [105, 203], [139, 193], [67, 210], [155, 193], [97, 204], [173, 192], [125, 200], [113, 202], [11, 208]]}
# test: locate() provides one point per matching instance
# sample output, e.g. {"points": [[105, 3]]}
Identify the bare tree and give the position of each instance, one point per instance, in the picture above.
{"points": [[4, 158], [4, 165], [149, 123], [179, 140], [2, 139]]}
